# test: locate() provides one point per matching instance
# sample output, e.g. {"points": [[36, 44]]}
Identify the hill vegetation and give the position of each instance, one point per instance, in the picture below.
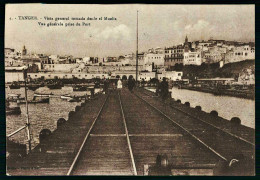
{"points": [[231, 70]]}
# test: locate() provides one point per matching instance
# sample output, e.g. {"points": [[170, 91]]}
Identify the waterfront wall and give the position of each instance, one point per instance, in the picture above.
{"points": [[67, 75], [13, 76]]}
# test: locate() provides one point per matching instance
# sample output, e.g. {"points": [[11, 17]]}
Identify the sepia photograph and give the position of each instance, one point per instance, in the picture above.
{"points": [[130, 89]]}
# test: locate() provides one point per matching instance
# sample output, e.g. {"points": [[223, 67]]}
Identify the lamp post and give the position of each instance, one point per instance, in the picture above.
{"points": [[137, 49], [27, 111]]}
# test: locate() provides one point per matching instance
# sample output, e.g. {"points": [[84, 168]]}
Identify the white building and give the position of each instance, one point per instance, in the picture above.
{"points": [[157, 59], [61, 75], [240, 53], [60, 67], [54, 58], [192, 58], [86, 60], [171, 75], [146, 76]]}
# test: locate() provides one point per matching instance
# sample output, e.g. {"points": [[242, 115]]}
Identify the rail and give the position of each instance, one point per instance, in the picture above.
{"points": [[85, 139], [184, 129], [220, 129], [127, 137]]}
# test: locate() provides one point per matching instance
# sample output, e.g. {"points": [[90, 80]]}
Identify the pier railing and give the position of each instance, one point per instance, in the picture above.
{"points": [[16, 131]]}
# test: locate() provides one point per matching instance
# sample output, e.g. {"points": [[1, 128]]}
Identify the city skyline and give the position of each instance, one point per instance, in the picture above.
{"points": [[159, 26]]}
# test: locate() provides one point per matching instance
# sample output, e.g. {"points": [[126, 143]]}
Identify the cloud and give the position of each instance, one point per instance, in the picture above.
{"points": [[120, 32], [201, 28]]}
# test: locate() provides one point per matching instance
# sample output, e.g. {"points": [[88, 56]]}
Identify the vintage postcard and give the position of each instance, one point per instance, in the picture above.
{"points": [[130, 90]]}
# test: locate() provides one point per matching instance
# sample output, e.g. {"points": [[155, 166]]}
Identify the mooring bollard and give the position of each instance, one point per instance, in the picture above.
{"points": [[71, 114], [77, 108], [82, 104], [214, 113], [60, 122], [198, 108], [187, 104], [164, 160], [42, 138], [235, 120]]}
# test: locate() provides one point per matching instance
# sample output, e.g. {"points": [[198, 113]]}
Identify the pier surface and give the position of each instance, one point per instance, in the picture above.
{"points": [[121, 132]]}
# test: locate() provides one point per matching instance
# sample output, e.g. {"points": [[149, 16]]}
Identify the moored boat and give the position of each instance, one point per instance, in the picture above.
{"points": [[79, 88], [34, 101], [12, 110], [55, 85], [33, 87], [66, 96], [42, 95], [74, 99], [14, 97], [15, 85]]}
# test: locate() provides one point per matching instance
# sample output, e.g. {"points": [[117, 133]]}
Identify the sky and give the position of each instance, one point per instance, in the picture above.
{"points": [[159, 26]]}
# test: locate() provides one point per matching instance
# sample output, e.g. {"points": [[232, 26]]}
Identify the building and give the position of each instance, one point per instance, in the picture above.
{"points": [[63, 75], [170, 75], [213, 56], [192, 58], [154, 58], [53, 59], [240, 53], [9, 52], [59, 67], [111, 59], [146, 76], [173, 55]]}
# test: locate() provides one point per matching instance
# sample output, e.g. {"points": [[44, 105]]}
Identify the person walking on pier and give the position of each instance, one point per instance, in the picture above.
{"points": [[106, 84], [164, 90], [131, 83], [119, 84]]}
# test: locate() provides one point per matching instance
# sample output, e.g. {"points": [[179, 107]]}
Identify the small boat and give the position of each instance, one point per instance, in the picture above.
{"points": [[14, 97], [15, 85], [12, 110], [66, 96], [55, 86], [33, 87], [42, 95], [73, 99], [34, 101], [79, 88]]}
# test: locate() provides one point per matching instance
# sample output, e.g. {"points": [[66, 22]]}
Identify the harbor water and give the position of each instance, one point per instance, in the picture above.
{"points": [[41, 115], [226, 106]]}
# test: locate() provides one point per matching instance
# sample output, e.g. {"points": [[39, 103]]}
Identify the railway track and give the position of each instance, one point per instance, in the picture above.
{"points": [[223, 143], [209, 124], [106, 148], [120, 142]]}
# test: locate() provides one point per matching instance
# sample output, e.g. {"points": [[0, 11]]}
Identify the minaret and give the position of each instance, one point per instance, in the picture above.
{"points": [[186, 39], [186, 45], [24, 52]]}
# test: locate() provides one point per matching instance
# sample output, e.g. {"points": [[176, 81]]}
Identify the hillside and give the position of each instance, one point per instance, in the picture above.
{"points": [[213, 70]]}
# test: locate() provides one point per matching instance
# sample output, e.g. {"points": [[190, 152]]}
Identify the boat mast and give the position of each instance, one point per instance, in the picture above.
{"points": [[27, 111], [137, 49]]}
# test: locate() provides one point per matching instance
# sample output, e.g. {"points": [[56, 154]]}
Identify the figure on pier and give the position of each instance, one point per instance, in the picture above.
{"points": [[131, 83], [164, 89], [119, 84]]}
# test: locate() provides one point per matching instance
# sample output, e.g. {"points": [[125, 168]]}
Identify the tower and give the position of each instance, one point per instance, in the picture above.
{"points": [[186, 40], [186, 45], [24, 51]]}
